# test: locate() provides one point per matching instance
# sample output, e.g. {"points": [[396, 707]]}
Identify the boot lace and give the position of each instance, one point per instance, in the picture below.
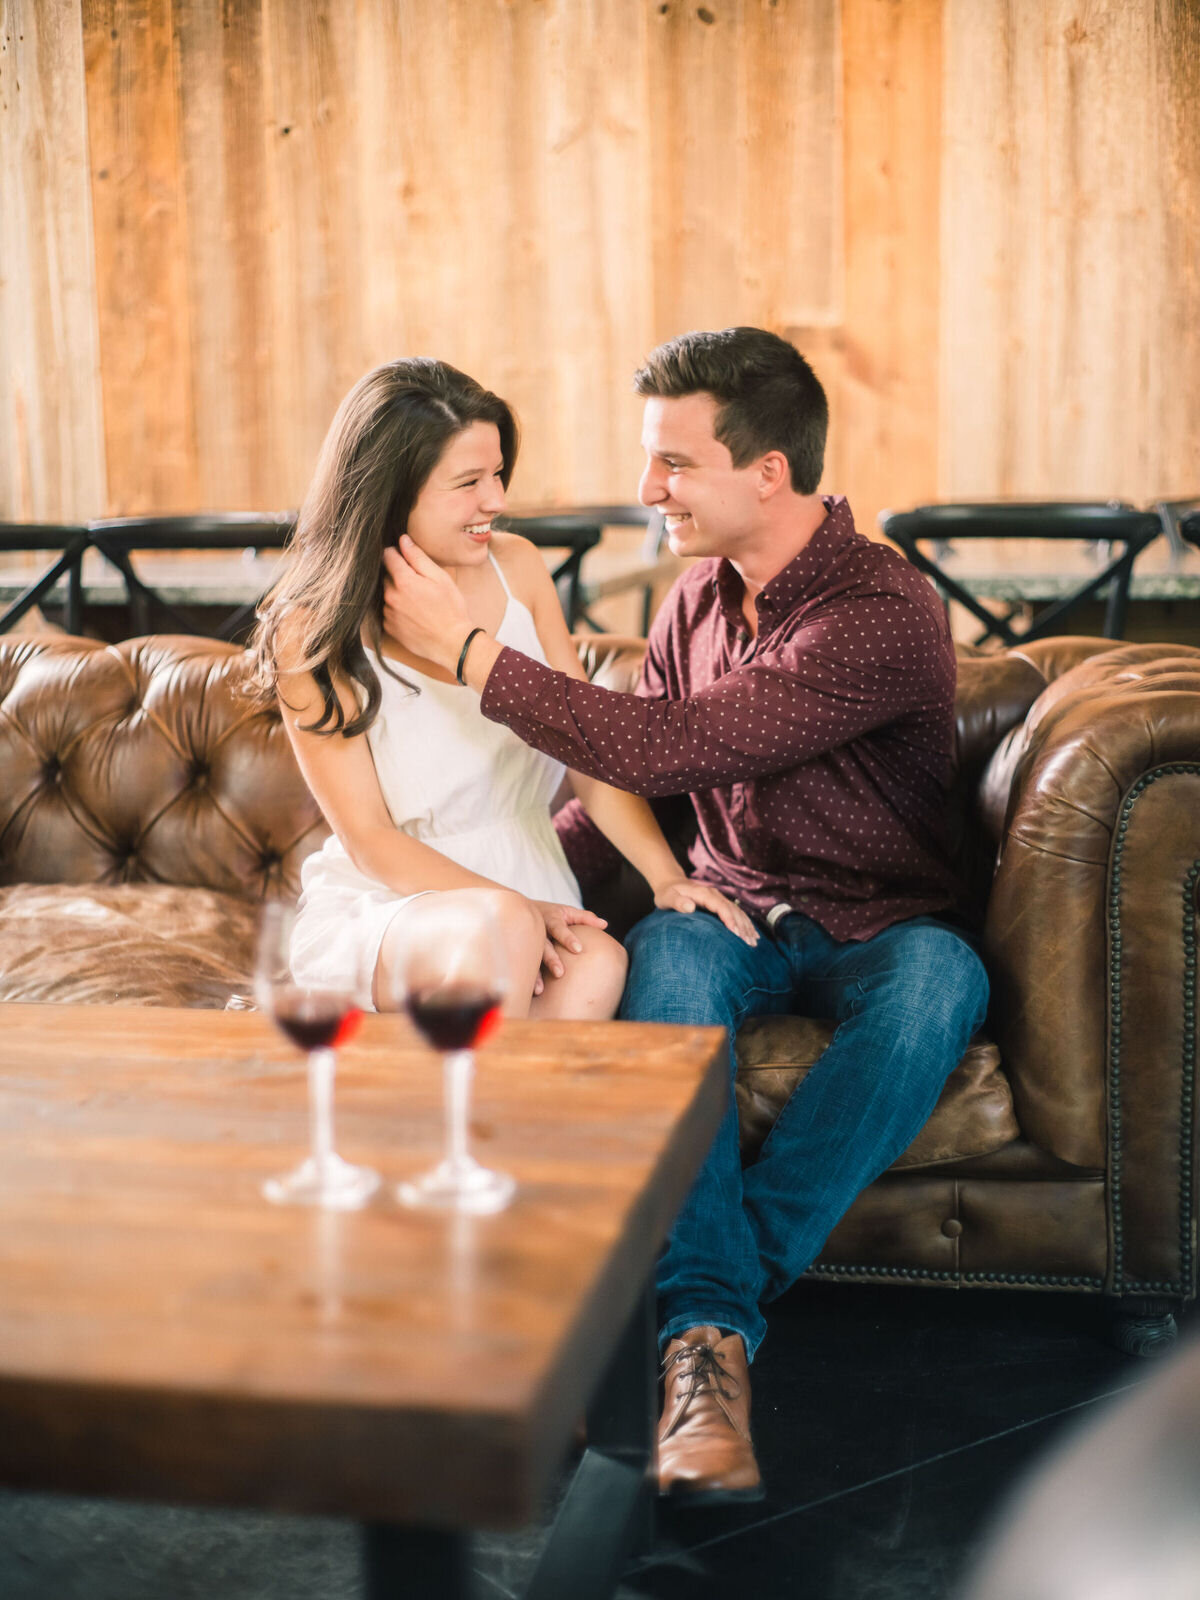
{"points": [[700, 1373]]}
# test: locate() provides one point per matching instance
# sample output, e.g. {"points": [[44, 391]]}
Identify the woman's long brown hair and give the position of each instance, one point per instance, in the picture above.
{"points": [[385, 440]]}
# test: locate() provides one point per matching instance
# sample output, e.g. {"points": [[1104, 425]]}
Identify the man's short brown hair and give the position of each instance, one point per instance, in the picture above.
{"points": [[768, 396]]}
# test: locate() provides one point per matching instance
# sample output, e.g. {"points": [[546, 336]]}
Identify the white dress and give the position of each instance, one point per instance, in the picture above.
{"points": [[454, 780]]}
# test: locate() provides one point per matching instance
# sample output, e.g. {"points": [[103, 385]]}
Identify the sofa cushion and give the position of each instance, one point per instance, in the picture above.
{"points": [[128, 944], [973, 1116]]}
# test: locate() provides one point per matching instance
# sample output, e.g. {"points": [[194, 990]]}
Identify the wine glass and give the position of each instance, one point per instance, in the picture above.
{"points": [[453, 978], [316, 1021]]}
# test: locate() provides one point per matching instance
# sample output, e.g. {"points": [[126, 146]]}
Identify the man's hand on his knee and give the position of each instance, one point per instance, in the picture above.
{"points": [[686, 894]]}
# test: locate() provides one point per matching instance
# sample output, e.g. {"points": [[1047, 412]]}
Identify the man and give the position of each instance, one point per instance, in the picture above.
{"points": [[799, 685]]}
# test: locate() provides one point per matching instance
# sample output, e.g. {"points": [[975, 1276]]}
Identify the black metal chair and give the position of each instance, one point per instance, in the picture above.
{"points": [[1181, 523], [1100, 525], [573, 531], [577, 592], [117, 539], [69, 540]]}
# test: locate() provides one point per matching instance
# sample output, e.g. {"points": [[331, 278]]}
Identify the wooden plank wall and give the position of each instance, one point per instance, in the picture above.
{"points": [[1070, 351], [52, 457], [979, 217]]}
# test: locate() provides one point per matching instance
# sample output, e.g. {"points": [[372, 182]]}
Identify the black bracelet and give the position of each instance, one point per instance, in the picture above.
{"points": [[462, 655]]}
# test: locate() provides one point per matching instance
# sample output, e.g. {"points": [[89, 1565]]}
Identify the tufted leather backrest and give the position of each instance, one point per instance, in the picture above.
{"points": [[143, 762]]}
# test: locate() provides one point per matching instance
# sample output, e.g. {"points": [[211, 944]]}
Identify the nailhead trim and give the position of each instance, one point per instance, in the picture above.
{"points": [[1188, 1073], [1045, 1280], [1187, 1100]]}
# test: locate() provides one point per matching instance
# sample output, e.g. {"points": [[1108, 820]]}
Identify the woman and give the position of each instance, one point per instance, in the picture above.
{"points": [[423, 794]]}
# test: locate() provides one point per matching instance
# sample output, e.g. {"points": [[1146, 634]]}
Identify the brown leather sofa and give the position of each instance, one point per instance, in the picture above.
{"points": [[146, 808]]}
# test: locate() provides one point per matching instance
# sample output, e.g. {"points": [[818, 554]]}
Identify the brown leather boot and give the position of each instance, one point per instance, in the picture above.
{"points": [[704, 1452]]}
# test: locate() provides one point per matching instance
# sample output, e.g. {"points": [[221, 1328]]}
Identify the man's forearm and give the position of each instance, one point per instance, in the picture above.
{"points": [[628, 823]]}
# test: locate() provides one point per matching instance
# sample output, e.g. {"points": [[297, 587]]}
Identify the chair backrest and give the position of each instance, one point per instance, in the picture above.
{"points": [[568, 530], [578, 529], [68, 541], [1181, 523], [1099, 523], [200, 530]]}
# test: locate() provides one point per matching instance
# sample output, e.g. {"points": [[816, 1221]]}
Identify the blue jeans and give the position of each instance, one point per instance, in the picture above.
{"points": [[906, 1002]]}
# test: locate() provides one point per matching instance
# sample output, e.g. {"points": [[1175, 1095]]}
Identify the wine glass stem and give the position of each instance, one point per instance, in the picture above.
{"points": [[320, 1105], [459, 1067]]}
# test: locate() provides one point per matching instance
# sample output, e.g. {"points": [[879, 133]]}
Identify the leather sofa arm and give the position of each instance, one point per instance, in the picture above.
{"points": [[1090, 940]]}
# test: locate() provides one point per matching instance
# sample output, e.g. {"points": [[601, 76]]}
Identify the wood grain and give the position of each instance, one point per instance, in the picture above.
{"points": [[223, 156], [164, 1331], [51, 437], [978, 217], [880, 362], [1070, 296], [139, 223]]}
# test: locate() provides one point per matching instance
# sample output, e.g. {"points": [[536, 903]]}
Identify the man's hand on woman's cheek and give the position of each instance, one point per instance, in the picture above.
{"points": [[422, 607]]}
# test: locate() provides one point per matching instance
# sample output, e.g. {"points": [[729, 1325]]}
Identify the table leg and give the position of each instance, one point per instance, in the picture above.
{"points": [[402, 1563], [608, 1513]]}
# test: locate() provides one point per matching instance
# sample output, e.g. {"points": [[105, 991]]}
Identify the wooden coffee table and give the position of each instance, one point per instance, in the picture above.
{"points": [[165, 1334]]}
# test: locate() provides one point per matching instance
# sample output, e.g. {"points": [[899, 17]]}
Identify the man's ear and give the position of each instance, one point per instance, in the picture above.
{"points": [[774, 474]]}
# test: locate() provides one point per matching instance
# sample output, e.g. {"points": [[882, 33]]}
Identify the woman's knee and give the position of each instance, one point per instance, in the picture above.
{"points": [[606, 957], [517, 919], [592, 980]]}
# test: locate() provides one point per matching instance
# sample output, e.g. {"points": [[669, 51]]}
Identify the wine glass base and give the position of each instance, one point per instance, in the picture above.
{"points": [[466, 1187], [334, 1185]]}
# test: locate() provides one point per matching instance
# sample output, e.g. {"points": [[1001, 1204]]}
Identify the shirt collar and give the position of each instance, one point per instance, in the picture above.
{"points": [[792, 583]]}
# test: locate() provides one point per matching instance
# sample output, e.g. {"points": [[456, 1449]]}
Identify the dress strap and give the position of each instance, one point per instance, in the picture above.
{"points": [[500, 574]]}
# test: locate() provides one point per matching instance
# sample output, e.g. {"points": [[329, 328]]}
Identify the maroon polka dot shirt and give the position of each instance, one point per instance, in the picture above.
{"points": [[817, 755]]}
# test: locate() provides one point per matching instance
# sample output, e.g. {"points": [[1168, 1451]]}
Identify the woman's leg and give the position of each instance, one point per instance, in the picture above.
{"points": [[520, 937], [590, 987]]}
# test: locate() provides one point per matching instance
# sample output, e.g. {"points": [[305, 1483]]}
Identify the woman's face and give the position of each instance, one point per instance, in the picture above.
{"points": [[451, 520]]}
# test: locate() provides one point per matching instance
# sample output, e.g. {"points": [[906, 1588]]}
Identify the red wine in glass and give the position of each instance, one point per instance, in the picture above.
{"points": [[452, 972], [317, 1021], [314, 1019], [456, 1018]]}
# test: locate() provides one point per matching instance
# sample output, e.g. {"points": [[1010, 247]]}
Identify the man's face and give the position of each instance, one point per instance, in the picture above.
{"points": [[709, 504]]}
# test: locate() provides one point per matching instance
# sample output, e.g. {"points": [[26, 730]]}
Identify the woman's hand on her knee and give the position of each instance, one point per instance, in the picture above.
{"points": [[686, 894], [559, 919]]}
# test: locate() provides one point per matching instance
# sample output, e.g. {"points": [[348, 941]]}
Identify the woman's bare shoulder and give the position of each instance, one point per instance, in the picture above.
{"points": [[522, 565]]}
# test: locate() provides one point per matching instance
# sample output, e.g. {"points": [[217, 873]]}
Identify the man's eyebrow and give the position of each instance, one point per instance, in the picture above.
{"points": [[666, 453]]}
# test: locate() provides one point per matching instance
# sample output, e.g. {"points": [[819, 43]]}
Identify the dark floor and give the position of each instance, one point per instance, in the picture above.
{"points": [[889, 1424]]}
